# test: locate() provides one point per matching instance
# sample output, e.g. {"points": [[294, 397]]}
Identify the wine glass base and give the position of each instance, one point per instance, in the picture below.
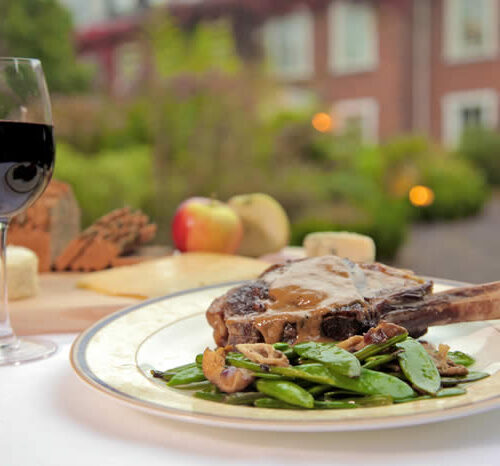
{"points": [[25, 350]]}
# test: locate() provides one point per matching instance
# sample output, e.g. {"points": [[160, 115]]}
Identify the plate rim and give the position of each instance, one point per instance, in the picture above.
{"points": [[82, 370]]}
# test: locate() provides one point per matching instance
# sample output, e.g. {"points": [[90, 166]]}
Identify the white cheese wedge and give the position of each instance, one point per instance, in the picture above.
{"points": [[353, 246], [22, 272]]}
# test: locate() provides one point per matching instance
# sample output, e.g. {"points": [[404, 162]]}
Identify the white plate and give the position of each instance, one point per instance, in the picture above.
{"points": [[114, 356]]}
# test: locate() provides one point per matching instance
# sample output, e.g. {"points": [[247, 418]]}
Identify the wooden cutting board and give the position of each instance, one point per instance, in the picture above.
{"points": [[60, 307]]}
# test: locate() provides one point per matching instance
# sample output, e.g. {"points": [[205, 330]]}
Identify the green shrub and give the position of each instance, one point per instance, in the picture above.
{"points": [[459, 188], [108, 180], [482, 147]]}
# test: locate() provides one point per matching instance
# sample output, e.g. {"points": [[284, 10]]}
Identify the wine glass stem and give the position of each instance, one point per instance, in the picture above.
{"points": [[7, 335]]}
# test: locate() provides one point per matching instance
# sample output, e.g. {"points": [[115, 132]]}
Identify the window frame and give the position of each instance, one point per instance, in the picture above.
{"points": [[337, 62], [367, 108], [452, 52], [452, 105], [271, 26]]}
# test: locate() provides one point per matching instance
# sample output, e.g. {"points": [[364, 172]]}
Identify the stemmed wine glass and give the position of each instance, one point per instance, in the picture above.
{"points": [[27, 153]]}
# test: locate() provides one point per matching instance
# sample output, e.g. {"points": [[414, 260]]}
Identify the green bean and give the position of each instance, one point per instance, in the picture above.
{"points": [[472, 376], [334, 405], [280, 346], [199, 359], [289, 372], [168, 374], [376, 348], [202, 385], [186, 376], [210, 396], [461, 358], [272, 403], [333, 357], [377, 361], [418, 367], [243, 398], [286, 391], [340, 394], [443, 393]]}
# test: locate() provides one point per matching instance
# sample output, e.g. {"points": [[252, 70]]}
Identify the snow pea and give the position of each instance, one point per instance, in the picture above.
{"points": [[187, 376], [461, 358], [377, 361], [376, 348], [443, 393], [418, 366], [333, 357], [360, 402], [368, 383], [286, 391], [472, 376]]}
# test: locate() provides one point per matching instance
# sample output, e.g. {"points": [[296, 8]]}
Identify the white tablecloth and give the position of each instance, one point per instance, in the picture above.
{"points": [[48, 417]]}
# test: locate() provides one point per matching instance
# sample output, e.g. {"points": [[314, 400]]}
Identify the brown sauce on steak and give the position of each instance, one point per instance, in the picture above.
{"points": [[323, 299]]}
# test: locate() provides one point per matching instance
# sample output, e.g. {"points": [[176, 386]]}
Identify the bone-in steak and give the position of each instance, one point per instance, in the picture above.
{"points": [[322, 298]]}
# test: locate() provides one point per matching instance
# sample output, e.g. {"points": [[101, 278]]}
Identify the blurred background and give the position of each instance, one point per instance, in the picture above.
{"points": [[375, 116]]}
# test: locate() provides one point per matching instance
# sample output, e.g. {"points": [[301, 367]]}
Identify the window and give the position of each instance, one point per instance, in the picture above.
{"points": [[288, 41], [127, 67], [468, 108], [359, 116], [352, 36], [471, 29], [88, 12]]}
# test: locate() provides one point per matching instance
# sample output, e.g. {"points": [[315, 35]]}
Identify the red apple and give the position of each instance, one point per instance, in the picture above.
{"points": [[202, 224]]}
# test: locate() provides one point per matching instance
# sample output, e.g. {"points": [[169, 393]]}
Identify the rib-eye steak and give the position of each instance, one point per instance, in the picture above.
{"points": [[330, 299]]}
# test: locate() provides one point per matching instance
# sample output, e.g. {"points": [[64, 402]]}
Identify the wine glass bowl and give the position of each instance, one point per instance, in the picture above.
{"points": [[27, 152]]}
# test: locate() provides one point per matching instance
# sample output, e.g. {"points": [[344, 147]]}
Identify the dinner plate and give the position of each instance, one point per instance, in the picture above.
{"points": [[115, 355]]}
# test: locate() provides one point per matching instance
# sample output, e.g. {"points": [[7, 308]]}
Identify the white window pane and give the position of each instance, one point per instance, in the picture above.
{"points": [[352, 33], [471, 29], [468, 108], [288, 41]]}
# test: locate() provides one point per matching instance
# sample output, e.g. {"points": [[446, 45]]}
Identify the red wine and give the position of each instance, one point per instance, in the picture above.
{"points": [[27, 153]]}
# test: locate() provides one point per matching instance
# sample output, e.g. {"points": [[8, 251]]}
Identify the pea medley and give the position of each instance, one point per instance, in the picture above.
{"points": [[313, 375]]}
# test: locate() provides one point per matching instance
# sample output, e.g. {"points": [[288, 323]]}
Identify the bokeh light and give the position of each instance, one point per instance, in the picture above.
{"points": [[421, 196], [322, 122]]}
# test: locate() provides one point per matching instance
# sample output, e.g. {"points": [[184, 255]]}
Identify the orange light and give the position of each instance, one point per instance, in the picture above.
{"points": [[421, 196], [322, 122]]}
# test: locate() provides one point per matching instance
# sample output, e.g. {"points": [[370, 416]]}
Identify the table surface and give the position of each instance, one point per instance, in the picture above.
{"points": [[48, 417]]}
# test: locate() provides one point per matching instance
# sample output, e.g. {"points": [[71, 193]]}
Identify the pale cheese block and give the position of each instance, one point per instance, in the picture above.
{"points": [[353, 246], [171, 274], [22, 272]]}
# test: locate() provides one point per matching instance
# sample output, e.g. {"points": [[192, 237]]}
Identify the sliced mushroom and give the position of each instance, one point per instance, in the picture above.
{"points": [[445, 366], [228, 379], [354, 343], [263, 353]]}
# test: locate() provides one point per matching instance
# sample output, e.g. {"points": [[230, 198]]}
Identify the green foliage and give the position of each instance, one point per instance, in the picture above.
{"points": [[459, 187], [42, 29], [110, 180], [482, 147], [210, 47]]}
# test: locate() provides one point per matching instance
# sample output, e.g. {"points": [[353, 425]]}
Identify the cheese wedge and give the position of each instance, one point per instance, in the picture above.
{"points": [[171, 274], [22, 272], [353, 246]]}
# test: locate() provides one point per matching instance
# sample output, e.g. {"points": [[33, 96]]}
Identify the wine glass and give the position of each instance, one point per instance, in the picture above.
{"points": [[27, 153]]}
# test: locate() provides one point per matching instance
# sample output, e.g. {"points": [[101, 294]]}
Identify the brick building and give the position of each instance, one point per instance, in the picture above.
{"points": [[387, 66]]}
